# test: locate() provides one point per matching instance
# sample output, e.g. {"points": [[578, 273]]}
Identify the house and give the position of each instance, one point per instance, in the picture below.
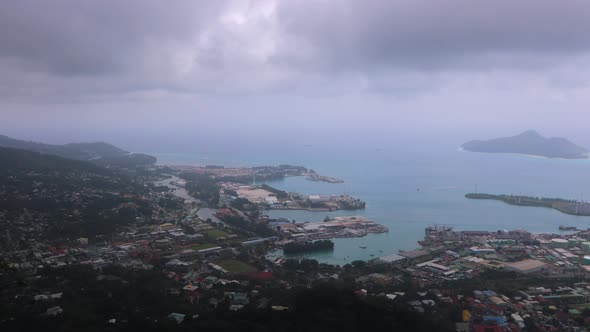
{"points": [[390, 259], [54, 311], [40, 297], [272, 200], [526, 266], [166, 227], [177, 317], [240, 299]]}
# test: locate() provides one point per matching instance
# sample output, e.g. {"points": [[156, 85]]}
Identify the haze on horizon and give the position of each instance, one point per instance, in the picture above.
{"points": [[124, 71]]}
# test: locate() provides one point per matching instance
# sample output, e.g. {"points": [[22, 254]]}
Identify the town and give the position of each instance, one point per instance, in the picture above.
{"points": [[201, 244]]}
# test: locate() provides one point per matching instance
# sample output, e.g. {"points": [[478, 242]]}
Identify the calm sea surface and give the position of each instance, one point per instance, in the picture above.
{"points": [[410, 189]]}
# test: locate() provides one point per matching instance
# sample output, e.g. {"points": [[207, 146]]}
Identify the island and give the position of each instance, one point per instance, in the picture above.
{"points": [[562, 205], [529, 142]]}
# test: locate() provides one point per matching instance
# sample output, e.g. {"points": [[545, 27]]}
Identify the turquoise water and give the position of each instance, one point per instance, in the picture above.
{"points": [[411, 189]]}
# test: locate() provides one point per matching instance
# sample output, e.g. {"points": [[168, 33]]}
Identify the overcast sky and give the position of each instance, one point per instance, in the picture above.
{"points": [[83, 70]]}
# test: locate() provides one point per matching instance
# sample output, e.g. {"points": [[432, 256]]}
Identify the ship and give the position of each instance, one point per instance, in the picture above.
{"points": [[568, 228]]}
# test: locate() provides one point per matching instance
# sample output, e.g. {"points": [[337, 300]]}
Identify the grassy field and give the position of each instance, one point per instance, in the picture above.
{"points": [[203, 246], [216, 233], [235, 266]]}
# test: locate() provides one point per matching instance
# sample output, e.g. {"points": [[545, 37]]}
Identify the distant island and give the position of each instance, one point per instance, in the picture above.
{"points": [[530, 143], [562, 205], [99, 153]]}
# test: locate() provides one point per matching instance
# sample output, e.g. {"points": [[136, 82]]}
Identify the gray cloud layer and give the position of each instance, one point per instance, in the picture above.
{"points": [[427, 34], [219, 45], [313, 58], [94, 37]]}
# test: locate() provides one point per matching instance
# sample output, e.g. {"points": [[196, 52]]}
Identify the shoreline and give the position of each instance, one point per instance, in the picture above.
{"points": [[549, 225], [461, 149], [310, 209]]}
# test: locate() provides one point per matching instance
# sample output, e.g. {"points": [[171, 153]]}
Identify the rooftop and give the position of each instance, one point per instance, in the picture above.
{"points": [[526, 265], [391, 258]]}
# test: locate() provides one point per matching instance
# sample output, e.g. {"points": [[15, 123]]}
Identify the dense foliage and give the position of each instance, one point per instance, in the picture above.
{"points": [[64, 197], [138, 301], [80, 151], [279, 193], [201, 186]]}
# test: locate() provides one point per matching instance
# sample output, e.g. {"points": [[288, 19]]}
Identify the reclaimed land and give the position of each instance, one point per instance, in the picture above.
{"points": [[562, 205]]}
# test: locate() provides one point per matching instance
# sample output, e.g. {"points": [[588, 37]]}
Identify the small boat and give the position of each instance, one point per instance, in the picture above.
{"points": [[363, 247]]}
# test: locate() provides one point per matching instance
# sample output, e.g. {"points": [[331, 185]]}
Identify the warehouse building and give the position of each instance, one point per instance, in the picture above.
{"points": [[526, 266]]}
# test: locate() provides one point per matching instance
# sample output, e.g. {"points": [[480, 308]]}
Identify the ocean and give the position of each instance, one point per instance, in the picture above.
{"points": [[408, 187]]}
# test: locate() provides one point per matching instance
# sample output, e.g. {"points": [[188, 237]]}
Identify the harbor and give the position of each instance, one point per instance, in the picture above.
{"points": [[338, 227]]}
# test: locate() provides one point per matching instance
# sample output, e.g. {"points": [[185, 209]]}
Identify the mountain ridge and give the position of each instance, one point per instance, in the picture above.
{"points": [[101, 153]]}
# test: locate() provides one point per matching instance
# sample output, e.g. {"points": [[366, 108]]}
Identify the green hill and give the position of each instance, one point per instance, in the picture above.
{"points": [[60, 197], [100, 153]]}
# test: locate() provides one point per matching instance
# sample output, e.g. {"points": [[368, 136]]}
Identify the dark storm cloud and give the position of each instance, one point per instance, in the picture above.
{"points": [[87, 37], [350, 34], [69, 49]]}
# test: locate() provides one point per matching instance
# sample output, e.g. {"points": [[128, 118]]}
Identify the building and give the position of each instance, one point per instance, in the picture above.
{"points": [[258, 241], [54, 311], [571, 243], [497, 301], [271, 200], [390, 259], [559, 243], [167, 226], [415, 254], [482, 251], [319, 198], [526, 266]]}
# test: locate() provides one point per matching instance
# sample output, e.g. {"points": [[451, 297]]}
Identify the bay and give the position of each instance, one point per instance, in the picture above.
{"points": [[410, 187]]}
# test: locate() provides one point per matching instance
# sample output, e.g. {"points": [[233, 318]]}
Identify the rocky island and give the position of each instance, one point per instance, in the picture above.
{"points": [[530, 143]]}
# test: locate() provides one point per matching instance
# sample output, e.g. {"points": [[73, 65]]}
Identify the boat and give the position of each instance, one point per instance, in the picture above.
{"points": [[363, 247], [568, 228]]}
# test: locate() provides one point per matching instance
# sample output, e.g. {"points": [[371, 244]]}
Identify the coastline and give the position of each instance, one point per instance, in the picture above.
{"points": [[461, 149], [395, 203]]}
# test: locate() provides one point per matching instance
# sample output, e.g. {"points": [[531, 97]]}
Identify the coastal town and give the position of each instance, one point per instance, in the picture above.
{"points": [[206, 250], [294, 166]]}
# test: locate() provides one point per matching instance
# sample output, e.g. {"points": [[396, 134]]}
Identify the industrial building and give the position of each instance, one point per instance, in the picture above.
{"points": [[526, 266]]}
